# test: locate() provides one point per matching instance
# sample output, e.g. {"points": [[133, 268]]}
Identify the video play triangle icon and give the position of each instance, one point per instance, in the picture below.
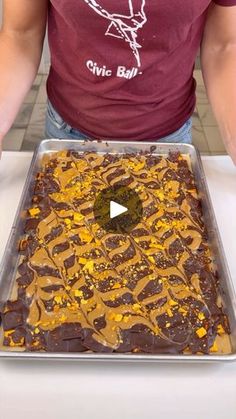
{"points": [[116, 209]]}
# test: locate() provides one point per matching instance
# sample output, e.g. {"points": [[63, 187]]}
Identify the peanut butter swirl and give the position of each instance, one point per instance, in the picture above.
{"points": [[81, 288]]}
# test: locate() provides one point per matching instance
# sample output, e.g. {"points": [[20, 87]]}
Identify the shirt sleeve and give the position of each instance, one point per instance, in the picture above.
{"points": [[225, 2]]}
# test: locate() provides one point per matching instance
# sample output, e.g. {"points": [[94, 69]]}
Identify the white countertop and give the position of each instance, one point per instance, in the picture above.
{"points": [[59, 390]]}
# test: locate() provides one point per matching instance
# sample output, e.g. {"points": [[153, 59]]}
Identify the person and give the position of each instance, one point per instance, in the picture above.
{"points": [[121, 70]]}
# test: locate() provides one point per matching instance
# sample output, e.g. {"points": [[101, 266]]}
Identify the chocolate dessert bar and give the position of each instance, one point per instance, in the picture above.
{"points": [[81, 288]]}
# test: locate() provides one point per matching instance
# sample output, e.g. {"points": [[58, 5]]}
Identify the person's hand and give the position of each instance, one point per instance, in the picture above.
{"points": [[231, 149]]}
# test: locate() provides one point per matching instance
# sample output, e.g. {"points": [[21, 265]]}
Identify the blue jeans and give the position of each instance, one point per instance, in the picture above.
{"points": [[56, 127]]}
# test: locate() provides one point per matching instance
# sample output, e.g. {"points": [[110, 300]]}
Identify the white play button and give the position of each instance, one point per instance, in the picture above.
{"points": [[116, 209]]}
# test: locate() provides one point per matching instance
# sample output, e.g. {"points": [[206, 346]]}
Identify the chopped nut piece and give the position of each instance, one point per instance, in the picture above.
{"points": [[156, 245], [118, 317], [201, 316], [58, 299], [85, 236], [173, 303], [220, 329], [116, 286], [136, 306], [214, 347], [151, 258], [7, 333], [78, 293], [34, 211], [89, 266], [78, 217], [201, 332], [169, 312]]}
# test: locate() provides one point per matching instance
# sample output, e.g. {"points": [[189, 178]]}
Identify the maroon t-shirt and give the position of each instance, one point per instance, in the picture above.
{"points": [[124, 69]]}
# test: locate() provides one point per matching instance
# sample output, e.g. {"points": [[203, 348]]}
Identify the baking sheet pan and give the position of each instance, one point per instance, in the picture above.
{"points": [[10, 260]]}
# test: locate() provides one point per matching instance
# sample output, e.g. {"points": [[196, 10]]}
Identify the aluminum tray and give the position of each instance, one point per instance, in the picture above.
{"points": [[10, 260]]}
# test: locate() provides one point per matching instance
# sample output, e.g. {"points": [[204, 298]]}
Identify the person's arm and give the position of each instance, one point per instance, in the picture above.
{"points": [[21, 43], [218, 58]]}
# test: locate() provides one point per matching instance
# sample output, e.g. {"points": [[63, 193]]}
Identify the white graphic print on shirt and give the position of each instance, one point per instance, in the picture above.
{"points": [[123, 27]]}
